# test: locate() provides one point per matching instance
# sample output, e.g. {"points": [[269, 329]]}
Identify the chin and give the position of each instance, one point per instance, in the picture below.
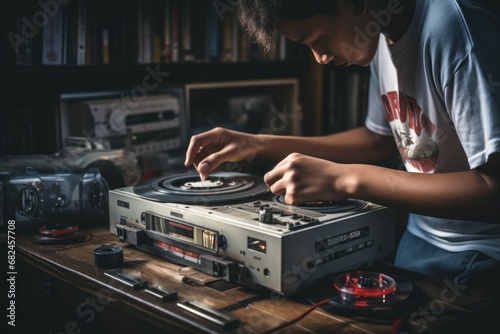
{"points": [[357, 62], [364, 64], [364, 60]]}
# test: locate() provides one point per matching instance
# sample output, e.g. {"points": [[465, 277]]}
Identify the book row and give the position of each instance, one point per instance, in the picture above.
{"points": [[90, 32]]}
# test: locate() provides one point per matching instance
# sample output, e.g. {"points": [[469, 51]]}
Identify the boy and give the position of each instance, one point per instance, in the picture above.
{"points": [[434, 96]]}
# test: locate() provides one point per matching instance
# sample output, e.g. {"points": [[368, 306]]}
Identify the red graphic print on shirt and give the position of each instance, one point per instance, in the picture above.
{"points": [[412, 131]]}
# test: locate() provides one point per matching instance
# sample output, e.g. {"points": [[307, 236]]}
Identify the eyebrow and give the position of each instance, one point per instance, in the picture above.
{"points": [[302, 38]]}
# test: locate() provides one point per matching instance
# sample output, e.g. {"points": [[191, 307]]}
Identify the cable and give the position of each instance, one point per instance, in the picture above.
{"points": [[288, 323]]}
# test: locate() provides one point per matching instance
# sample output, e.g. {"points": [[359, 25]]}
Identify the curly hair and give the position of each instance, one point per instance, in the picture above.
{"points": [[262, 19]]}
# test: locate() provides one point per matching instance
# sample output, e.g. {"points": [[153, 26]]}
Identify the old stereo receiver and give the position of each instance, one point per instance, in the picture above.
{"points": [[145, 124]]}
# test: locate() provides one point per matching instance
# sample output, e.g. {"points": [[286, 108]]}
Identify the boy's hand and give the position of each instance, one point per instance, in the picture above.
{"points": [[304, 179], [208, 150]]}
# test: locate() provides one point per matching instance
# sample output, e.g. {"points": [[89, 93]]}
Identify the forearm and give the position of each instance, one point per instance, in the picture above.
{"points": [[358, 145], [468, 195]]}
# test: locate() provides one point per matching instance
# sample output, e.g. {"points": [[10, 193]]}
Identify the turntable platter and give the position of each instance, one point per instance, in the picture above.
{"points": [[218, 188], [348, 204]]}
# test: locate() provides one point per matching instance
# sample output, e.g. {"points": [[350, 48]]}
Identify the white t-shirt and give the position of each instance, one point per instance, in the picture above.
{"points": [[437, 91]]}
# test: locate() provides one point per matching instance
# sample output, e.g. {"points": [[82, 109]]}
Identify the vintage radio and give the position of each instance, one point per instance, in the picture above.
{"points": [[150, 123], [70, 186], [32, 198]]}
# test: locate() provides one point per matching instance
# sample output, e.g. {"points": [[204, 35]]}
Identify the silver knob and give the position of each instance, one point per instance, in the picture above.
{"points": [[266, 214]]}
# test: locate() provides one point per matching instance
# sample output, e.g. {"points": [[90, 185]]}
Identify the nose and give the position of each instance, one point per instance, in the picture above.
{"points": [[322, 58]]}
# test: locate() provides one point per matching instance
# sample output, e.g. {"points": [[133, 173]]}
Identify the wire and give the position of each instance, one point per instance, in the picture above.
{"points": [[288, 323]]}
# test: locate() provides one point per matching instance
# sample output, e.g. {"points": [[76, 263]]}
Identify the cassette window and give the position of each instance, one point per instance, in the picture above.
{"points": [[257, 245]]}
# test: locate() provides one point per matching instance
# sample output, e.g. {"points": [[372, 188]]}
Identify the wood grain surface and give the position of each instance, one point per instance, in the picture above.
{"points": [[72, 268]]}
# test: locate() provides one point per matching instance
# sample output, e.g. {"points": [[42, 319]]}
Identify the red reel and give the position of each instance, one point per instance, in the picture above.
{"points": [[365, 284]]}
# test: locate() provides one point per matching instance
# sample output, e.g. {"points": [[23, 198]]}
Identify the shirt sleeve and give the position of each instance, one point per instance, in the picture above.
{"points": [[472, 97]]}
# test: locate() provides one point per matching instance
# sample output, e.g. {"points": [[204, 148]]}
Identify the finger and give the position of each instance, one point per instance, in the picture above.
{"points": [[289, 200], [278, 187], [210, 161], [204, 170], [272, 177], [213, 160], [196, 145], [199, 157], [268, 178], [276, 173], [192, 151]]}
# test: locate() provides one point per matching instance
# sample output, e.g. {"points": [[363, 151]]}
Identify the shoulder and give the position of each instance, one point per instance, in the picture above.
{"points": [[459, 25], [454, 30]]}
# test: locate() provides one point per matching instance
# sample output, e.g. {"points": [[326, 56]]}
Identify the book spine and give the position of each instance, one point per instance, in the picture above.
{"points": [[157, 15], [21, 44], [227, 37], [82, 32], [234, 39], [281, 48], [140, 34], [130, 35], [96, 27], [89, 35], [166, 40], [105, 46], [52, 49], [175, 31], [147, 43], [187, 32], [244, 48], [213, 36]]}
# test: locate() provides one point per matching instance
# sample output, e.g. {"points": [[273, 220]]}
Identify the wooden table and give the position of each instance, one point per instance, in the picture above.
{"points": [[60, 290]]}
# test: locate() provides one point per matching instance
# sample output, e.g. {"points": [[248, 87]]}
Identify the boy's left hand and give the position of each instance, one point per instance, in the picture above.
{"points": [[303, 179]]}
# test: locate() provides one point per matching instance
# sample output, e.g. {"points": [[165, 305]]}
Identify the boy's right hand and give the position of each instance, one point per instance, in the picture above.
{"points": [[209, 149]]}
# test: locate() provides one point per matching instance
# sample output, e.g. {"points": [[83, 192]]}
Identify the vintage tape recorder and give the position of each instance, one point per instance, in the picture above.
{"points": [[231, 227], [145, 124], [70, 186], [32, 198]]}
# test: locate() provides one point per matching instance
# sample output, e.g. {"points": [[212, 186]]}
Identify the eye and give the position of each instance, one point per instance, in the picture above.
{"points": [[317, 41]]}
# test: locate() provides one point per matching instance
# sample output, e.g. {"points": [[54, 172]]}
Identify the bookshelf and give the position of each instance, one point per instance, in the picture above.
{"points": [[91, 32], [194, 41], [345, 89], [113, 45]]}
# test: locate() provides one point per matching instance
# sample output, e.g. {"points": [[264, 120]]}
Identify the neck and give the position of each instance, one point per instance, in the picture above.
{"points": [[401, 13]]}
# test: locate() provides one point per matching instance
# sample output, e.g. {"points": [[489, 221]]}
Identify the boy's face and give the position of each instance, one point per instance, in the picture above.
{"points": [[340, 39]]}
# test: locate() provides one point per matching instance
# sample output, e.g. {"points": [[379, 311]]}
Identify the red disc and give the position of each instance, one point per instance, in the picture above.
{"points": [[64, 229], [365, 284]]}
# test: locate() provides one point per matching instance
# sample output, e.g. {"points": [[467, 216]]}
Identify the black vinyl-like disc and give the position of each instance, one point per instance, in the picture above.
{"points": [[218, 188], [327, 207]]}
